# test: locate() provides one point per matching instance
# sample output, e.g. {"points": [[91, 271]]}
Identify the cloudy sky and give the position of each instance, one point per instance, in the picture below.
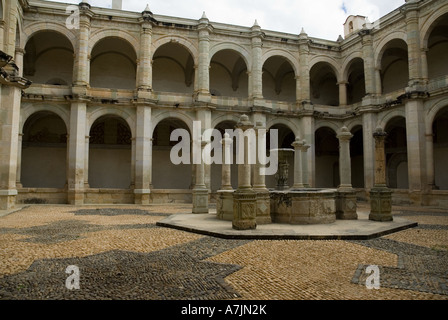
{"points": [[320, 18]]}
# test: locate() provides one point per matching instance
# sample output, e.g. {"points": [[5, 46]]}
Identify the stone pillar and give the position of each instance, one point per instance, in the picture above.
{"points": [[224, 201], [257, 74], [413, 41], [298, 171], [244, 205], [416, 145], [145, 63], [307, 123], [9, 138], [430, 161], [368, 57], [76, 152], [81, 62], [342, 93], [203, 70], [200, 191], [19, 60], [380, 195], [86, 163], [143, 155], [303, 94], [346, 195], [263, 215], [345, 168], [378, 82], [305, 170], [226, 181], [368, 128]]}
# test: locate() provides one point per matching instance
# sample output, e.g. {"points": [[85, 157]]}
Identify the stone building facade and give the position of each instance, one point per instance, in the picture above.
{"points": [[89, 97]]}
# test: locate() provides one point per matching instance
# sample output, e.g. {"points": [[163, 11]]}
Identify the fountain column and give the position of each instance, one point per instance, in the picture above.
{"points": [[346, 195], [298, 170], [380, 194], [224, 200], [244, 198], [263, 215], [200, 191]]}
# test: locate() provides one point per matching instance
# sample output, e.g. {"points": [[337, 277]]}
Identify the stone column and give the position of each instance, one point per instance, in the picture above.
{"points": [[380, 195], [145, 63], [430, 161], [19, 162], [86, 163], [224, 201], [81, 63], [143, 155], [9, 120], [298, 171], [76, 152], [416, 146], [244, 205], [263, 215], [305, 173], [203, 70], [200, 191], [257, 74], [226, 181], [345, 168], [378, 82], [303, 94], [345, 195], [368, 128], [368, 57], [411, 10], [342, 93]]}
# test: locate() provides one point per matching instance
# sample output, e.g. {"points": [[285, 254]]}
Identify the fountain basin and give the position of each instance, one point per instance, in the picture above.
{"points": [[303, 206]]}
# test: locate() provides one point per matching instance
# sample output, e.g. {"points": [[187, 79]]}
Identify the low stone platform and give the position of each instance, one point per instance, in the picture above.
{"points": [[360, 229]]}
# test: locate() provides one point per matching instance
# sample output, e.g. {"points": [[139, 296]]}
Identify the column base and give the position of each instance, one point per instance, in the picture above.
{"points": [[8, 199], [380, 204], [75, 197], [346, 205], [224, 205], [200, 201], [142, 196], [263, 215], [244, 210]]}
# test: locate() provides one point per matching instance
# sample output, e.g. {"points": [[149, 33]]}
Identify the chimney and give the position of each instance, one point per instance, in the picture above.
{"points": [[117, 4]]}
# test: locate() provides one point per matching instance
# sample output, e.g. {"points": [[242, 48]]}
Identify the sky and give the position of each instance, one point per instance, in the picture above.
{"points": [[320, 18]]}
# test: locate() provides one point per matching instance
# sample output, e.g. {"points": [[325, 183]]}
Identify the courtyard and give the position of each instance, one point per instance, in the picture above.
{"points": [[123, 254]]}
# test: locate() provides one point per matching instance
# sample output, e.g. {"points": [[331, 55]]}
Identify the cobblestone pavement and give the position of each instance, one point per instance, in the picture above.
{"points": [[121, 254]]}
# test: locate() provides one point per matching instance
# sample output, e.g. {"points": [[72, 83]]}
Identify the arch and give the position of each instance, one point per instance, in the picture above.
{"points": [[43, 162], [187, 44], [381, 47], [326, 123], [355, 122], [110, 153], [326, 156], [29, 110], [382, 123], [286, 122], [104, 111], [432, 113], [348, 61], [234, 47], [430, 23], [330, 61], [172, 114], [30, 30], [225, 117], [284, 54], [96, 37]]}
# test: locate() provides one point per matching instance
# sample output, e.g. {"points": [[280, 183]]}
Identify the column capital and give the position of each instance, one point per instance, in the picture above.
{"points": [[344, 134], [298, 144]]}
